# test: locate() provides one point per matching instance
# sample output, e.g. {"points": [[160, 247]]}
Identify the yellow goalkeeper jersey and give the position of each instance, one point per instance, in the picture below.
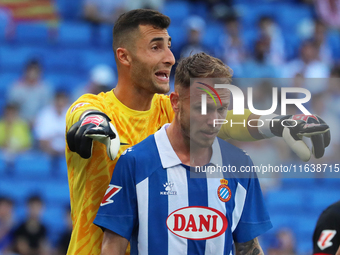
{"points": [[89, 178]]}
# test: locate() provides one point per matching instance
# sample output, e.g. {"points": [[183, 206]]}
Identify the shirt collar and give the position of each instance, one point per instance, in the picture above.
{"points": [[169, 157]]}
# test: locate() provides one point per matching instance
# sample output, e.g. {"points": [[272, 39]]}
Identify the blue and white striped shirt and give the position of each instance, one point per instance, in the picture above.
{"points": [[153, 201]]}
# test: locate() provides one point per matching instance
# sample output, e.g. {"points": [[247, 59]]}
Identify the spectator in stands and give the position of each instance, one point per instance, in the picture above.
{"points": [[50, 126], [308, 65], [65, 237], [284, 243], [233, 50], [195, 26], [320, 39], [30, 238], [31, 93], [269, 30], [259, 66], [6, 224], [15, 134], [329, 12], [102, 79]]}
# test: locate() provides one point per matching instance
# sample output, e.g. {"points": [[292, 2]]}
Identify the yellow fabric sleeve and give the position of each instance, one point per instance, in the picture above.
{"points": [[237, 132]]}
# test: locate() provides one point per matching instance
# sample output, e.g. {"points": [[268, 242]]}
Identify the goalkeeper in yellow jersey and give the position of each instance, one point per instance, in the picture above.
{"points": [[100, 127]]}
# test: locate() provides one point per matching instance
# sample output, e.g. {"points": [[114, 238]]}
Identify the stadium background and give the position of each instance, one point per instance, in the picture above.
{"points": [[69, 47]]}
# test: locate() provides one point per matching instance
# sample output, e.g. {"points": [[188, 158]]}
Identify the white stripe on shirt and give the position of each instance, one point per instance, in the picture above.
{"points": [[178, 176], [142, 189]]}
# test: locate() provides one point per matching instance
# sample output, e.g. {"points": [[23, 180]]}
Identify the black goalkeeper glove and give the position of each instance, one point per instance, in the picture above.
{"points": [[301, 125], [93, 126]]}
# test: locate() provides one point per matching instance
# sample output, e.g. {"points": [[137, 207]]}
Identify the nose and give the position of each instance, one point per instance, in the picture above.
{"points": [[169, 58], [211, 116]]}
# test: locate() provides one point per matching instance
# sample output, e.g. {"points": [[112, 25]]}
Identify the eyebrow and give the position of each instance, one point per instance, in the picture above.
{"points": [[159, 39]]}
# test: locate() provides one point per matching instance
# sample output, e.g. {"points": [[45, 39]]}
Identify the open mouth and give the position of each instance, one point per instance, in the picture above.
{"points": [[162, 76]]}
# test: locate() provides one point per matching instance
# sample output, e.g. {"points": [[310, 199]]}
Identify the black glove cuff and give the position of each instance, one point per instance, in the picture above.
{"points": [[277, 127]]}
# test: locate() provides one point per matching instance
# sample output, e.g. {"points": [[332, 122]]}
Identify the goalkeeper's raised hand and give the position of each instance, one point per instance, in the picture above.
{"points": [[294, 127], [93, 125]]}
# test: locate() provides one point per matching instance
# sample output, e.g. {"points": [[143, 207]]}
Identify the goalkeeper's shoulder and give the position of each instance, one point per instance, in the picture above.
{"points": [[85, 103]]}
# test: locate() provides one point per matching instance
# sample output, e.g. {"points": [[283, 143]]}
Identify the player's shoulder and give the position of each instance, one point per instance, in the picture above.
{"points": [[89, 101], [144, 156], [332, 212], [231, 152]]}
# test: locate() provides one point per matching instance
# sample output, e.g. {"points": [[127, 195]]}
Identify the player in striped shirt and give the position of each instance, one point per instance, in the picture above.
{"points": [[135, 109], [164, 206]]}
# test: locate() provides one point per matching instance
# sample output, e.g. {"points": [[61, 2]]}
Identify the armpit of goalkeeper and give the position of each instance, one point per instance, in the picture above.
{"points": [[100, 127]]}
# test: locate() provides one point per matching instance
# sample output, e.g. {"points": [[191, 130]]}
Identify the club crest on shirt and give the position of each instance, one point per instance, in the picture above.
{"points": [[168, 189], [223, 191]]}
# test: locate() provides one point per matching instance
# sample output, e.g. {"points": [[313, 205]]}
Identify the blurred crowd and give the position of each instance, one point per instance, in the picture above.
{"points": [[33, 116]]}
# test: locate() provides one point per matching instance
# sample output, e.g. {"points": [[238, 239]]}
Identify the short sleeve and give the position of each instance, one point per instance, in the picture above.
{"points": [[326, 237], [118, 210], [84, 103], [255, 219]]}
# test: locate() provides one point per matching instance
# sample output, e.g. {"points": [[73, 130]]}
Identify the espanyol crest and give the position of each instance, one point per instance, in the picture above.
{"points": [[223, 191]]}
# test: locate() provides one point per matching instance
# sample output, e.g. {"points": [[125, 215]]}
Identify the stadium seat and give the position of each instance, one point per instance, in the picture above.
{"points": [[2, 162], [62, 60], [65, 82], [69, 10], [54, 227], [212, 34], [285, 201], [96, 57], [74, 34], [56, 192], [6, 80], [14, 58], [105, 36], [320, 199], [176, 10], [32, 33], [34, 165], [19, 188]]}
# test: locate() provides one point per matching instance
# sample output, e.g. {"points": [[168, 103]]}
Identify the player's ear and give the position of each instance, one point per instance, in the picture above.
{"points": [[123, 56], [174, 99]]}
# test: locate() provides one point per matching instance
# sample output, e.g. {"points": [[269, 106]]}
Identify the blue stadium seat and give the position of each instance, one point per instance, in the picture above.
{"points": [[252, 12], [62, 60], [289, 16], [2, 162], [64, 82], [33, 165], [6, 80], [96, 57], [19, 188], [298, 183], [14, 58], [176, 10], [69, 10], [178, 37], [35, 33], [212, 34], [320, 199], [105, 36], [74, 34], [285, 201], [56, 192]]}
